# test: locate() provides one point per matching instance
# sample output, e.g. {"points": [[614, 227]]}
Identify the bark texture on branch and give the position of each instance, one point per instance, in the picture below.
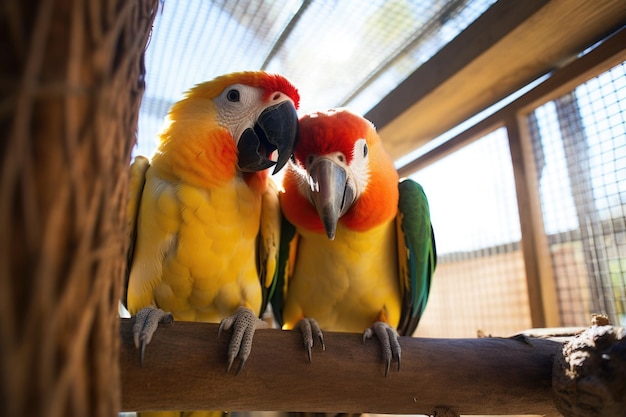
{"points": [[185, 369], [589, 374], [71, 80]]}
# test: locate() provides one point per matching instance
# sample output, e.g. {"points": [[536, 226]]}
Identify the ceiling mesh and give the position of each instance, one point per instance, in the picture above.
{"points": [[338, 53]]}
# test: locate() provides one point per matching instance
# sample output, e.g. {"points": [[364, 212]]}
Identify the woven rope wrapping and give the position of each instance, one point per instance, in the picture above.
{"points": [[71, 80]]}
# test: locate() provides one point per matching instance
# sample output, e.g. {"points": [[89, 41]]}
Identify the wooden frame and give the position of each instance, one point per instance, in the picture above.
{"points": [[541, 286], [494, 57]]}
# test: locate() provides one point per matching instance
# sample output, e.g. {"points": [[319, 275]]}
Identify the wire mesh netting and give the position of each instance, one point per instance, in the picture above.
{"points": [[579, 143], [579, 146], [480, 281], [349, 53]]}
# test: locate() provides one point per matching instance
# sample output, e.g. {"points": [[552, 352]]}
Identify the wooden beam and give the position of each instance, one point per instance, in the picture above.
{"points": [[496, 23], [184, 369], [605, 56], [512, 44], [540, 281]]}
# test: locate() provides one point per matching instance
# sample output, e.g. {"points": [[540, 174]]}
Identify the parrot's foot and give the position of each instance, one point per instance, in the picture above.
{"points": [[146, 322], [307, 327], [244, 323], [388, 337]]}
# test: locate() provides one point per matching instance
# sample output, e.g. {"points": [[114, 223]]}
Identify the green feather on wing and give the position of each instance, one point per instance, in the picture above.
{"points": [[417, 255], [279, 289]]}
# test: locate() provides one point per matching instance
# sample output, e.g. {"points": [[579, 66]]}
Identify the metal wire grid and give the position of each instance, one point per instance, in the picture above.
{"points": [[480, 281], [338, 53], [579, 143]]}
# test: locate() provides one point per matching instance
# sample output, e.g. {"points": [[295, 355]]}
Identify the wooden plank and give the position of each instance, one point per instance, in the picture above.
{"points": [[185, 369], [462, 79], [540, 275], [602, 58], [482, 35], [542, 295]]}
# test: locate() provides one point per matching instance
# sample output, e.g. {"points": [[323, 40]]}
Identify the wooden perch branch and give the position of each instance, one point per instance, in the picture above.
{"points": [[589, 374], [185, 369]]}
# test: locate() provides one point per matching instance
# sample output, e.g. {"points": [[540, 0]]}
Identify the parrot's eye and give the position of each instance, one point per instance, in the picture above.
{"points": [[365, 150], [233, 95]]}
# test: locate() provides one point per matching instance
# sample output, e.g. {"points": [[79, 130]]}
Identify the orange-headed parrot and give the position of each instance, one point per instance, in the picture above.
{"points": [[358, 250], [203, 214]]}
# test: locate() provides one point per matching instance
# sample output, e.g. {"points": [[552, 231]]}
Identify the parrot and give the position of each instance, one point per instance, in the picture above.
{"points": [[203, 213], [357, 247]]}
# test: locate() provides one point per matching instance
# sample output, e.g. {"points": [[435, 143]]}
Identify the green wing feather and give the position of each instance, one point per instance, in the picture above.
{"points": [[417, 254], [287, 237]]}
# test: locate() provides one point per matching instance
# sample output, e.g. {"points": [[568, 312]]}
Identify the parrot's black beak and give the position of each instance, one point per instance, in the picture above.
{"points": [[330, 193], [275, 130]]}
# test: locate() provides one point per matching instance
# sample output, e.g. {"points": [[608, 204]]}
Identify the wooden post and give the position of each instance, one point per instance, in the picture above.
{"points": [[71, 80], [185, 369]]}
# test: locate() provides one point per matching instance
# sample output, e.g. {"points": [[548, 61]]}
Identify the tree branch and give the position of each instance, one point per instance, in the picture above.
{"points": [[185, 369]]}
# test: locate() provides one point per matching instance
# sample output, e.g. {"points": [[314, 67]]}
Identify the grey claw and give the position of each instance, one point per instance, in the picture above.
{"points": [[225, 325], [308, 352], [229, 363], [146, 322], [142, 351], [308, 327], [397, 351], [240, 367], [244, 323], [388, 338], [319, 334]]}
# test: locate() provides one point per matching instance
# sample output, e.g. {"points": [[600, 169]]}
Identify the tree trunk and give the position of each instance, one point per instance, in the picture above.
{"points": [[71, 80]]}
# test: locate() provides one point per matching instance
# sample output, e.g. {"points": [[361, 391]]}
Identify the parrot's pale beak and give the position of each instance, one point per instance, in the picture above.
{"points": [[330, 193], [275, 130]]}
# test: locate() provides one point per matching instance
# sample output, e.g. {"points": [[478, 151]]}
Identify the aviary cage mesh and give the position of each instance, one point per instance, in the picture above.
{"points": [[579, 143], [480, 281], [579, 147]]}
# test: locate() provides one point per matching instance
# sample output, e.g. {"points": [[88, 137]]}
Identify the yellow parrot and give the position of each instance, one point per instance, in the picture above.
{"points": [[204, 216], [358, 250]]}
